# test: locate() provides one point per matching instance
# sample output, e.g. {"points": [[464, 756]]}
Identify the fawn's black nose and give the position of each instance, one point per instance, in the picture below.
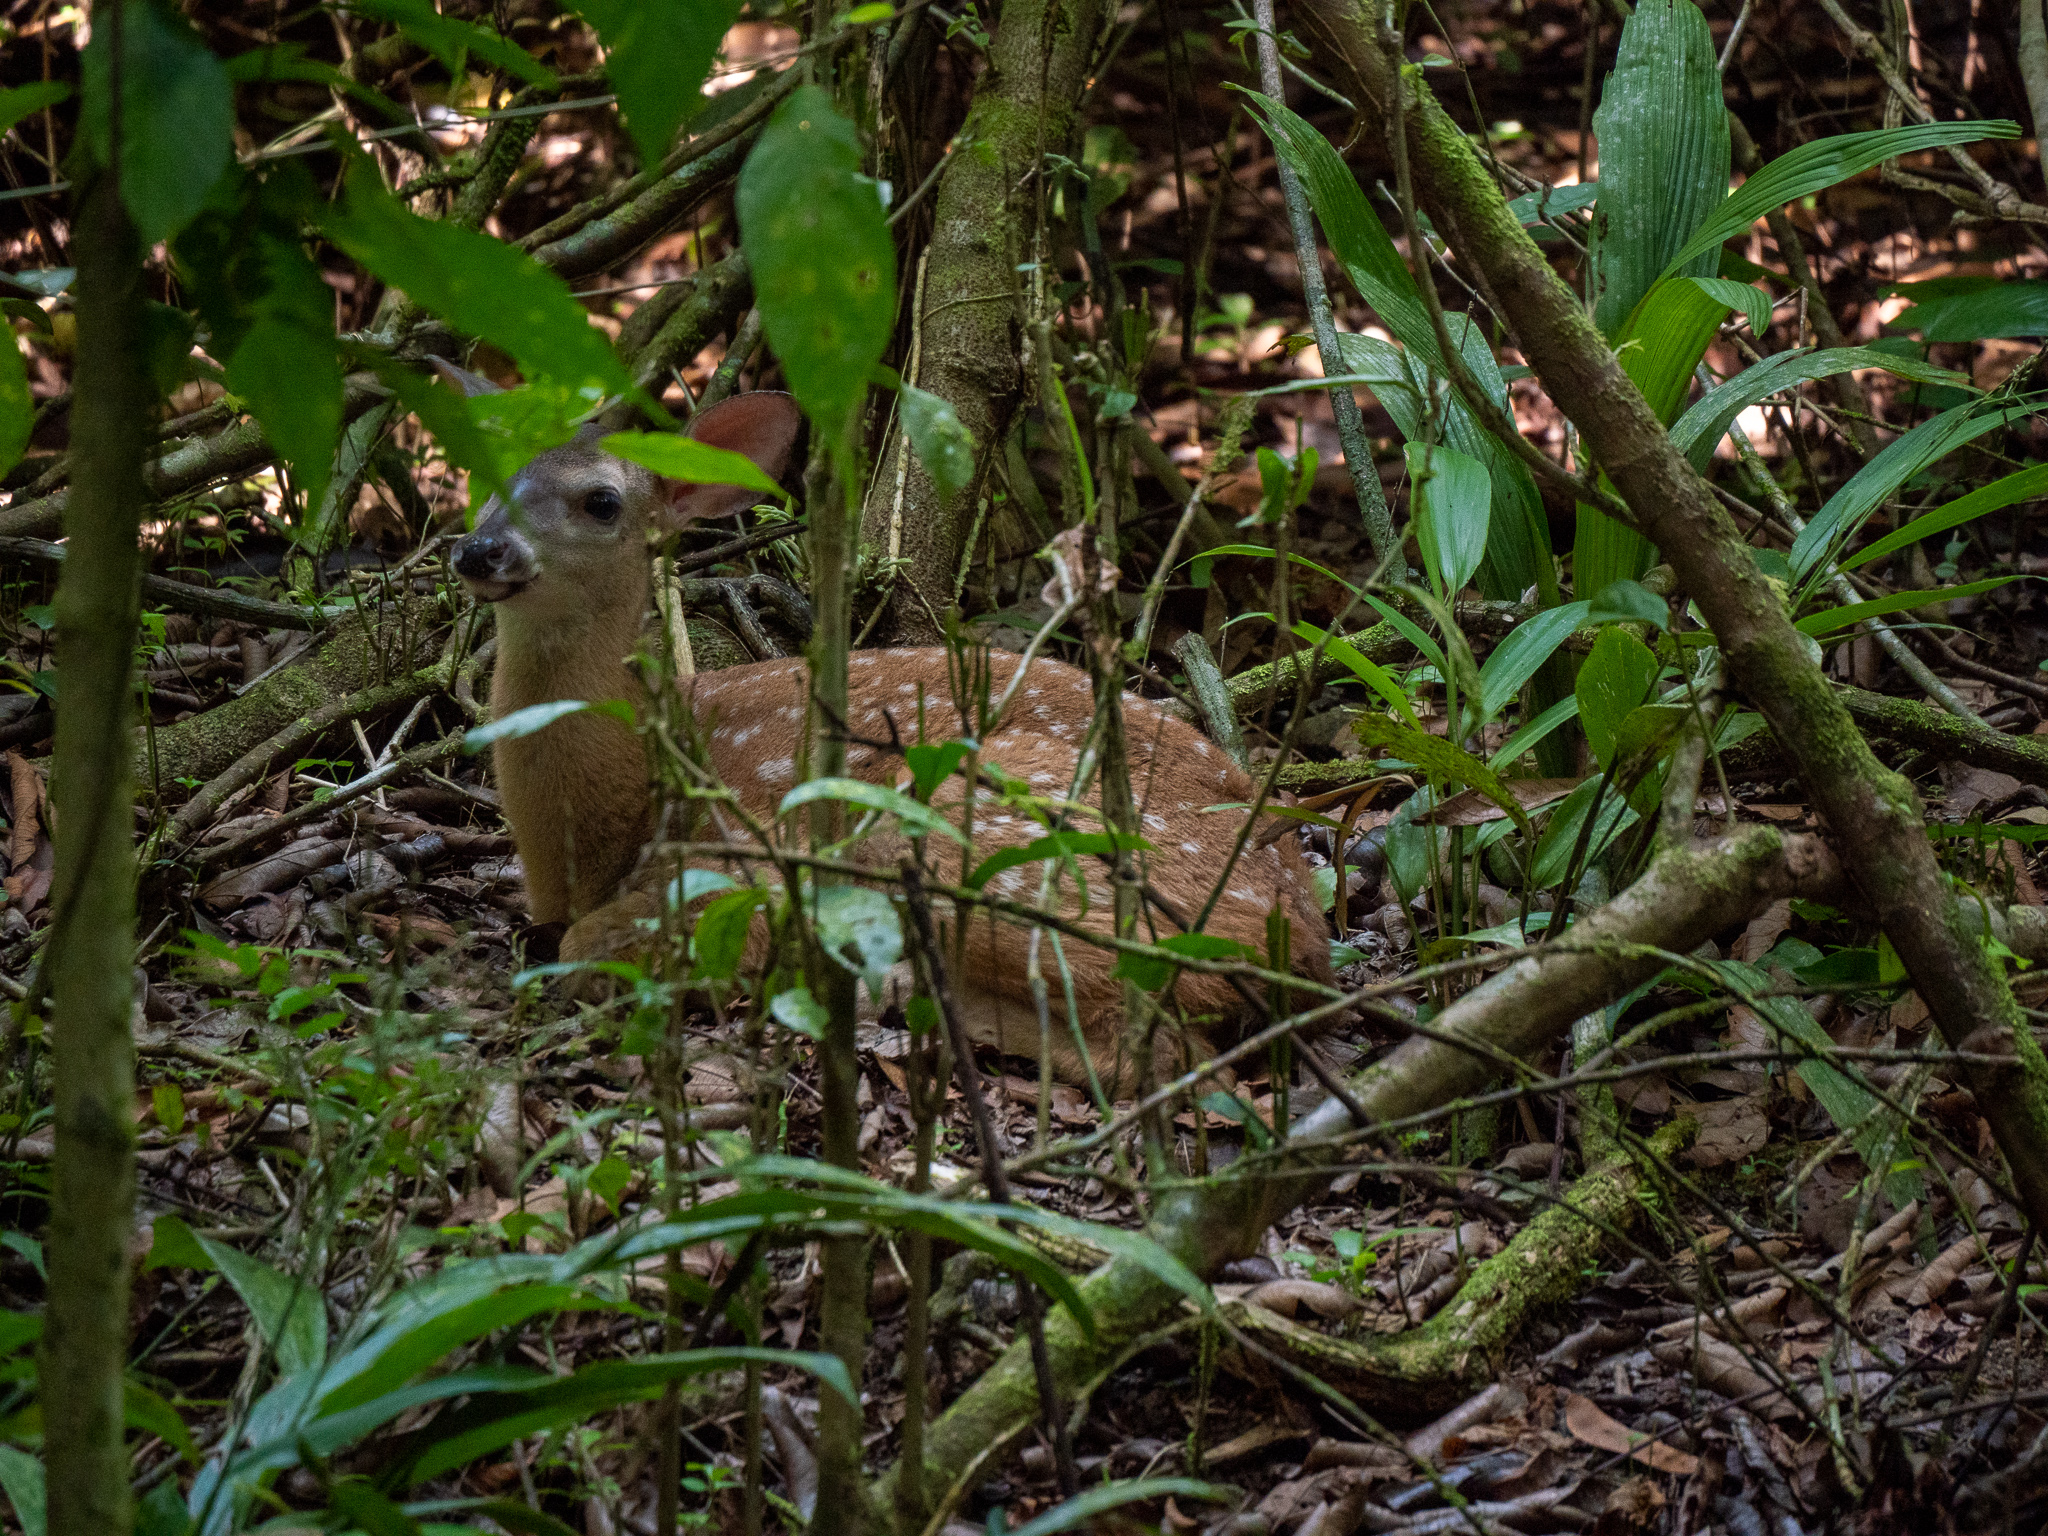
{"points": [[480, 556]]}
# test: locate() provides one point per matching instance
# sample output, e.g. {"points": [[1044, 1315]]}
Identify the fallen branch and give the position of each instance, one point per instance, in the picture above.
{"points": [[185, 597], [1934, 730]]}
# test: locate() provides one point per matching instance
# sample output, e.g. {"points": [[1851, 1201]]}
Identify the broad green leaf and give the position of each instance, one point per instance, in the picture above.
{"points": [[1751, 300], [538, 717], [1525, 648], [1999, 308], [21, 1475], [1536, 730], [292, 382], [1615, 680], [824, 265], [429, 1333], [172, 1243], [1453, 503], [289, 1314], [720, 939], [1554, 202], [857, 926], [2025, 485], [1054, 845], [1896, 463], [1362, 667], [1629, 602], [931, 763], [1663, 131], [480, 286], [695, 884], [1822, 163], [1552, 859], [1410, 631], [795, 1008], [943, 445], [1442, 760], [676, 457], [1699, 430], [368, 1511], [1831, 619], [1069, 1513], [449, 38], [143, 1409], [657, 53], [19, 102], [177, 115], [495, 1420], [919, 820], [17, 406]]}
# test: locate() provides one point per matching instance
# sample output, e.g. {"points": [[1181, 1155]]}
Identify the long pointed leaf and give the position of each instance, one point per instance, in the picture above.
{"points": [[1829, 620], [1698, 432], [2025, 485]]}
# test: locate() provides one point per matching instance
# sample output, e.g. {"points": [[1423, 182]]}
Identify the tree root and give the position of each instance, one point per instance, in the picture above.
{"points": [[1431, 1369], [1934, 730]]}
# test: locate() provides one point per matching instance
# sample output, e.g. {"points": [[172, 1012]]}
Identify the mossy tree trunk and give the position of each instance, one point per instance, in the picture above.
{"points": [[968, 320], [91, 955]]}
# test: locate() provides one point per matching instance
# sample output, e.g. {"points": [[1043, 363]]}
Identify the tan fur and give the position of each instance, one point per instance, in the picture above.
{"points": [[574, 596]]}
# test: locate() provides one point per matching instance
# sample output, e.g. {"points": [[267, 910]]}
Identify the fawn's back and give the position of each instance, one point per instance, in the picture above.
{"points": [[566, 566]]}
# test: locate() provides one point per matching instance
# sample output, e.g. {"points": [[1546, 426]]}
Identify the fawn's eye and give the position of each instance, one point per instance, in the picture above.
{"points": [[603, 504]]}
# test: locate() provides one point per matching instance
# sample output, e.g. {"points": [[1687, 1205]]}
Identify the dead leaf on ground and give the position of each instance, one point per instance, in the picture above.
{"points": [[1470, 808], [1589, 1423], [1730, 1130], [31, 860]]}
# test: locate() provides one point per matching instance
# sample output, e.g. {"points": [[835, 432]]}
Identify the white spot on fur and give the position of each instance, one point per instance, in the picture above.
{"points": [[1201, 746], [1194, 848], [776, 770]]}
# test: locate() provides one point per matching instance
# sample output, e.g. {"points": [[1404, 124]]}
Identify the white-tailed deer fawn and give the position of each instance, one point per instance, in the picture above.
{"points": [[568, 570]]}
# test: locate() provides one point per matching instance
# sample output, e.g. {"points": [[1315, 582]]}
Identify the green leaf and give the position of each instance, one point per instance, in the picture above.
{"points": [[1534, 731], [1896, 463], [292, 383], [676, 457], [289, 61], [1548, 203], [1829, 620], [1699, 430], [1153, 971], [288, 1313], [657, 53], [1441, 760], [480, 286], [177, 115], [1069, 1513], [931, 762], [1525, 648], [143, 1409], [2000, 308], [1629, 602], [1054, 845], [720, 940], [17, 405], [173, 1244], [943, 445], [538, 717], [858, 927], [1615, 680], [1751, 300], [797, 1009], [1362, 667], [19, 102], [21, 1475], [2025, 485], [1821, 163], [447, 38], [919, 820], [367, 1510], [1663, 131], [1560, 839], [495, 1420], [824, 266], [1453, 505]]}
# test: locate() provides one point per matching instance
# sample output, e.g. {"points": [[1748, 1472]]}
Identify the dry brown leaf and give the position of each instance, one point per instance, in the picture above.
{"points": [[1730, 1129], [1470, 808], [1288, 1297], [31, 860], [1591, 1424], [1763, 931]]}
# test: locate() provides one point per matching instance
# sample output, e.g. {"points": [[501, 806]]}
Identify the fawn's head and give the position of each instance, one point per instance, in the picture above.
{"points": [[575, 530]]}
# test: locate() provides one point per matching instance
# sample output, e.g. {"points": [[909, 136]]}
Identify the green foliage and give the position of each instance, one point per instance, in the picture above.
{"points": [[1974, 308], [686, 459], [452, 40], [177, 115], [824, 265], [1614, 682], [657, 54], [1663, 156], [1452, 509], [1700, 429]]}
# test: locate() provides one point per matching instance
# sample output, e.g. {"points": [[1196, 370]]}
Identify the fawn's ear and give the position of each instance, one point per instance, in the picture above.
{"points": [[763, 426], [469, 383]]}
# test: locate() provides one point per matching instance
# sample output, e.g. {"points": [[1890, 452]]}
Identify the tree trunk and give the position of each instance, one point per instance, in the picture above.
{"points": [[968, 334], [91, 954]]}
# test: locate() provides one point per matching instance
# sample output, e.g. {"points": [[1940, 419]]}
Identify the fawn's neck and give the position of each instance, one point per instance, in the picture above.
{"points": [[575, 792]]}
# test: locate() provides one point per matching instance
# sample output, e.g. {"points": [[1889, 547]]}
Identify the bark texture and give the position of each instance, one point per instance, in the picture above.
{"points": [[969, 332]]}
